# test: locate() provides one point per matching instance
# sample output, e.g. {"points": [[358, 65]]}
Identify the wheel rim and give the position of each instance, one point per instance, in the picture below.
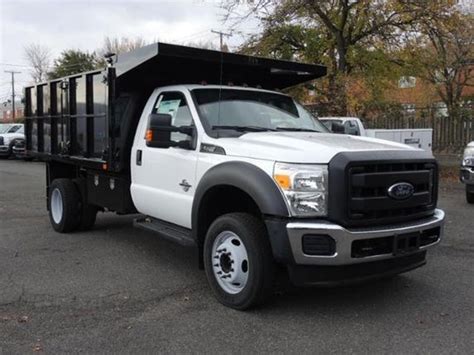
{"points": [[230, 262], [56, 206]]}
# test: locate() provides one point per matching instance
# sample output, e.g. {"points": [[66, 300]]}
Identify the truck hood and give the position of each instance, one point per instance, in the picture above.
{"points": [[302, 147]]}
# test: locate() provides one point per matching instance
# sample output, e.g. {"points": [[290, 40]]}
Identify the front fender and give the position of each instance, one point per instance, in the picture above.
{"points": [[246, 177]]}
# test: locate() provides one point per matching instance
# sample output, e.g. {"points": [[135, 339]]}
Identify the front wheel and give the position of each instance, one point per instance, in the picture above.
{"points": [[469, 195], [238, 260]]}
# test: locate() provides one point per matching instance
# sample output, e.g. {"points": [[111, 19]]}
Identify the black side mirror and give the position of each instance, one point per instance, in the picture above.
{"points": [[338, 128], [158, 134]]}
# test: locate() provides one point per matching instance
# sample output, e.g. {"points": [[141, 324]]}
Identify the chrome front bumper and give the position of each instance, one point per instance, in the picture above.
{"points": [[344, 238], [467, 175]]}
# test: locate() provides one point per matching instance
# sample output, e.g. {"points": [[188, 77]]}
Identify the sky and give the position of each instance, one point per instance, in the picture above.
{"points": [[83, 24]]}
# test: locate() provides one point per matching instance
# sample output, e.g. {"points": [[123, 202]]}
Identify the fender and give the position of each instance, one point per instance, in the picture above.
{"points": [[248, 178]]}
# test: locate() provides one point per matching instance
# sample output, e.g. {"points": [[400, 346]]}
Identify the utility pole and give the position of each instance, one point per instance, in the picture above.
{"points": [[221, 37], [12, 72]]}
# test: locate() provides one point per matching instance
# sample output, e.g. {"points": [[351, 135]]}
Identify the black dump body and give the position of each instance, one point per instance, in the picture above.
{"points": [[89, 119]]}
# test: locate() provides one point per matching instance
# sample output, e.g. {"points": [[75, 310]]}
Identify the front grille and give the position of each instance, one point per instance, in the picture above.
{"points": [[368, 198], [1, 140]]}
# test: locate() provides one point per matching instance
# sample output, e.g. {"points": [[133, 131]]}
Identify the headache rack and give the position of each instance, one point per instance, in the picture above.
{"points": [[89, 119]]}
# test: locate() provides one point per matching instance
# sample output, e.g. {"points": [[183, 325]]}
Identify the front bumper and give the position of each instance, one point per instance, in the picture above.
{"points": [[19, 151], [4, 149], [362, 245], [467, 175]]}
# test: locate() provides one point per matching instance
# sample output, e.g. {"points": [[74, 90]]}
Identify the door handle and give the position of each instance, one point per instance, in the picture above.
{"points": [[139, 157]]}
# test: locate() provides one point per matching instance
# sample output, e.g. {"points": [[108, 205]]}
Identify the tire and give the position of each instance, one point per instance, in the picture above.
{"points": [[64, 205], [254, 269], [469, 195], [88, 217]]}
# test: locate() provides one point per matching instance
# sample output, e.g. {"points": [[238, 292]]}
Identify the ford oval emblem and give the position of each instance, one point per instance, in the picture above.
{"points": [[401, 191]]}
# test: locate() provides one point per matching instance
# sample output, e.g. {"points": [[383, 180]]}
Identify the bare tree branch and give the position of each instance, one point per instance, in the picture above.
{"points": [[39, 58]]}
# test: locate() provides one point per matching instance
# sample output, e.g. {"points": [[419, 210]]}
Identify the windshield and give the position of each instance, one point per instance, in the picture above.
{"points": [[4, 128], [253, 111]]}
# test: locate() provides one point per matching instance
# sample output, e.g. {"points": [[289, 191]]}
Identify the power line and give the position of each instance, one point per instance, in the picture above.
{"points": [[221, 37], [12, 72]]}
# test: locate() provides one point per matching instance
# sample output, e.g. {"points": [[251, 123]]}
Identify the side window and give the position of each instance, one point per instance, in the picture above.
{"points": [[14, 129], [351, 128], [174, 104], [355, 127]]}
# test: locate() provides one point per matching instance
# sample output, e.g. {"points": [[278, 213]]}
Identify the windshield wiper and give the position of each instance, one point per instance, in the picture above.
{"points": [[244, 128], [291, 129]]}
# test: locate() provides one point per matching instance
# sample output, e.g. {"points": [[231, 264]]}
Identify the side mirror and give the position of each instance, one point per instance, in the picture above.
{"points": [[337, 128], [158, 134]]}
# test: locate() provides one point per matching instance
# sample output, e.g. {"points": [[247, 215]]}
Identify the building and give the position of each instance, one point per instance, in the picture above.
{"points": [[6, 111]]}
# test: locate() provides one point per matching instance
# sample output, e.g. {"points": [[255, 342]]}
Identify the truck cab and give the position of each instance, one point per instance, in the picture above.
{"points": [[351, 125], [242, 173]]}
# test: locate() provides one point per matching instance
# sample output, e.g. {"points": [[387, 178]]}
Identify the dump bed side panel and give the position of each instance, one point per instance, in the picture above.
{"points": [[67, 118]]}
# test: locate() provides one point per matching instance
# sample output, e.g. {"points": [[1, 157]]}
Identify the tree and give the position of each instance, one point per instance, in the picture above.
{"points": [[121, 45], [74, 61], [39, 58], [336, 30], [443, 55], [204, 45]]}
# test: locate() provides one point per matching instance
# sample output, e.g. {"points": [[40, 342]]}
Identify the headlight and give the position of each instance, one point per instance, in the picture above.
{"points": [[468, 158], [304, 186]]}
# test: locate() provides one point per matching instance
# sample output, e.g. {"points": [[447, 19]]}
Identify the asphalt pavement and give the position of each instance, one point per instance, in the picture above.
{"points": [[117, 289]]}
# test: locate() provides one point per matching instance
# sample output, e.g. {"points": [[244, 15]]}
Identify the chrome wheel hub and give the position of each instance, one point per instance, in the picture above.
{"points": [[230, 262], [56, 206]]}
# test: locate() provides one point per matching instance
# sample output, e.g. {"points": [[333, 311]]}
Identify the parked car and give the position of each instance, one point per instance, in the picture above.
{"points": [[467, 171], [19, 149], [11, 133], [417, 137], [242, 173]]}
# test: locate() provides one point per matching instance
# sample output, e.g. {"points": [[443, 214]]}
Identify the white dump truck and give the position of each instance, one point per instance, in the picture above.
{"points": [[212, 155]]}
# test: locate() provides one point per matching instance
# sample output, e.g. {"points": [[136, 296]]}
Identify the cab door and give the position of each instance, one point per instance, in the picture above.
{"points": [[163, 179]]}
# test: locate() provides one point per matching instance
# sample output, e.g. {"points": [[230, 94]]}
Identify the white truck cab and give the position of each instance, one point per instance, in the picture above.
{"points": [[351, 125], [243, 174], [415, 137]]}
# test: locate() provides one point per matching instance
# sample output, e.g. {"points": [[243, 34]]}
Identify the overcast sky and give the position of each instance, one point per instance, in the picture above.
{"points": [[83, 24]]}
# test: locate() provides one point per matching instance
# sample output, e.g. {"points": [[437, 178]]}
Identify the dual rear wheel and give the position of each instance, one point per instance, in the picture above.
{"points": [[67, 211]]}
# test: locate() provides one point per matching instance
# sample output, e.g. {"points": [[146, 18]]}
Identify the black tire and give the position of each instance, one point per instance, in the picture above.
{"points": [[70, 213], [469, 195], [88, 217], [253, 234]]}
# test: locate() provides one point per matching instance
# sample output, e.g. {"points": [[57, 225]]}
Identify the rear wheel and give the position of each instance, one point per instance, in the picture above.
{"points": [[238, 260], [88, 217], [469, 195], [64, 205]]}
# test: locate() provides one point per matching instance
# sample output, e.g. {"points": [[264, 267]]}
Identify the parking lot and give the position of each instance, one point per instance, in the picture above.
{"points": [[119, 289]]}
